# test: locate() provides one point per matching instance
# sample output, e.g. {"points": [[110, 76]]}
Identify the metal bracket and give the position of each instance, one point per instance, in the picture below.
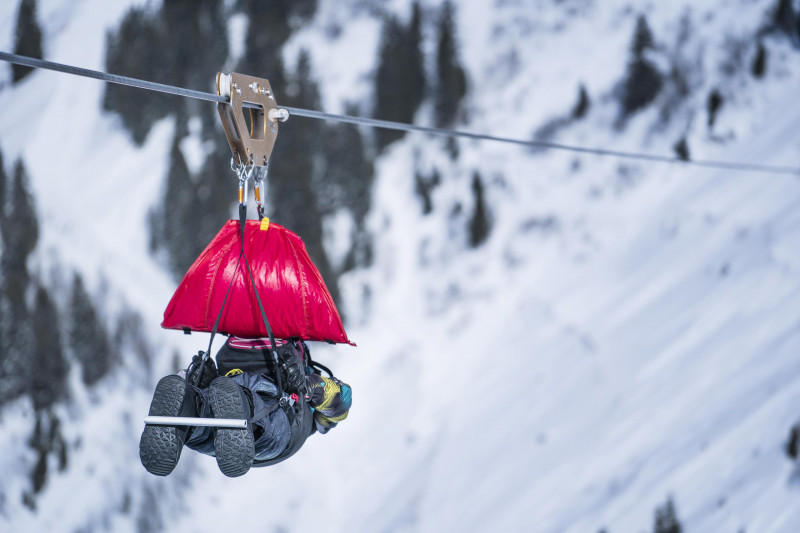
{"points": [[251, 143]]}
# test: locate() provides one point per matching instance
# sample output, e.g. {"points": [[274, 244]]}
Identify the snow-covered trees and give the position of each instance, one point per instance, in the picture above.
{"points": [[176, 231], [479, 221], [179, 45], [400, 77], [346, 183], [293, 198], [19, 230], [759, 65], [785, 19], [451, 81], [27, 38], [196, 202], [33, 347], [87, 336], [643, 81], [666, 519], [47, 366]]}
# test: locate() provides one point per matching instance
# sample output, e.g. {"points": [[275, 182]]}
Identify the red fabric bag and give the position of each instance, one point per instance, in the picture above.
{"points": [[296, 300]]}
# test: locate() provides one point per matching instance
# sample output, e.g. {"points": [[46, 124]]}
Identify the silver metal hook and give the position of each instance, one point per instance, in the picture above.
{"points": [[243, 192], [259, 181], [238, 168], [249, 171], [243, 173]]}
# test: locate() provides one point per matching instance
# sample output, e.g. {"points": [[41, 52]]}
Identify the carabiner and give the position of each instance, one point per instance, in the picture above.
{"points": [[260, 188], [243, 190]]}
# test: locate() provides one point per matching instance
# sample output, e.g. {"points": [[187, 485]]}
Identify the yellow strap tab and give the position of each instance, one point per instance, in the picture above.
{"points": [[265, 224], [234, 372]]}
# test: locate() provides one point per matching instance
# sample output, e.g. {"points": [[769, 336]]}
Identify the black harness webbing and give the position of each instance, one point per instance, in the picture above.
{"points": [[242, 220], [263, 413], [216, 324], [275, 362]]}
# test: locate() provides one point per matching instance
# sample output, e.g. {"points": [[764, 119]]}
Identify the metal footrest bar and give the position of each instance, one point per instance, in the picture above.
{"points": [[189, 421]]}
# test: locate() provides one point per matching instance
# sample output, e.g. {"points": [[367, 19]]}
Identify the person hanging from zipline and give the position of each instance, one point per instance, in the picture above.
{"points": [[264, 377], [244, 388], [266, 395]]}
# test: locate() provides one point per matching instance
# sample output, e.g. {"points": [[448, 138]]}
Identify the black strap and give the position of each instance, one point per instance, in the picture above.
{"points": [[266, 411], [242, 221], [216, 322], [319, 367]]}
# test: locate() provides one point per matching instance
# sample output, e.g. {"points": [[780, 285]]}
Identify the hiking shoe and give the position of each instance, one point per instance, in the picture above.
{"points": [[160, 446], [234, 447]]}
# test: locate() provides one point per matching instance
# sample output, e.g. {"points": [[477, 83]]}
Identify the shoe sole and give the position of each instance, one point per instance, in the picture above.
{"points": [[160, 446], [234, 448]]}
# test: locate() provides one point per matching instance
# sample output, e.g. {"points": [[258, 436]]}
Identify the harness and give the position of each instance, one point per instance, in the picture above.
{"points": [[251, 359]]}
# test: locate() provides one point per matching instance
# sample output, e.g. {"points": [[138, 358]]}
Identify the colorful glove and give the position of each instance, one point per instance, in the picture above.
{"points": [[331, 400]]}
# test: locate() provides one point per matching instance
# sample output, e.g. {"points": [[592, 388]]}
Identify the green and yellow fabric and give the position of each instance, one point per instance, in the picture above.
{"points": [[331, 400]]}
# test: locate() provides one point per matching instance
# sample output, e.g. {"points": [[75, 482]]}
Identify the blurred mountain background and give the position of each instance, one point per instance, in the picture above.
{"points": [[547, 340]]}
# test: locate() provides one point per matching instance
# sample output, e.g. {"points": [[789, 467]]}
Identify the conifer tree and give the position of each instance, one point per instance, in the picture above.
{"points": [[666, 519], [195, 34], [759, 66], [681, 149], [479, 225], [270, 26], [46, 440], [179, 230], [346, 182], [797, 28], [47, 369], [713, 106], [451, 82], [137, 49], [8, 387], [215, 185], [784, 17], [27, 39], [3, 195], [400, 78], [291, 183], [347, 179], [416, 60], [22, 213], [642, 38], [793, 444], [87, 337], [423, 186], [20, 232], [582, 105], [16, 344], [644, 81], [181, 44], [3, 190], [19, 229]]}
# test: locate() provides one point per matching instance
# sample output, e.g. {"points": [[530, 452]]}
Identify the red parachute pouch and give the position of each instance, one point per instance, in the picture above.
{"points": [[297, 302]]}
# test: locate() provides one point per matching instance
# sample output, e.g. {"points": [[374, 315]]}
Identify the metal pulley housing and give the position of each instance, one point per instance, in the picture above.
{"points": [[252, 140]]}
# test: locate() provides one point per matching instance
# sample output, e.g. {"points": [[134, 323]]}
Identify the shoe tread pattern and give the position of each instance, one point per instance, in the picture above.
{"points": [[234, 448], [160, 446]]}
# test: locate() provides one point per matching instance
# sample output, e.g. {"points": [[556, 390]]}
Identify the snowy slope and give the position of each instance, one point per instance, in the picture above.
{"points": [[92, 191], [629, 331]]}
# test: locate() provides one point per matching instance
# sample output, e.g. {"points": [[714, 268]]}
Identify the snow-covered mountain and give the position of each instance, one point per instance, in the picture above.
{"points": [[617, 335]]}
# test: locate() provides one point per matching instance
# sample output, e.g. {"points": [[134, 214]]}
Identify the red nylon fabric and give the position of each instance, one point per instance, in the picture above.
{"points": [[296, 300]]}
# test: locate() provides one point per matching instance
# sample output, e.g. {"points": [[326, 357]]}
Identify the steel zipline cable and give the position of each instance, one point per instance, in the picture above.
{"points": [[376, 123]]}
